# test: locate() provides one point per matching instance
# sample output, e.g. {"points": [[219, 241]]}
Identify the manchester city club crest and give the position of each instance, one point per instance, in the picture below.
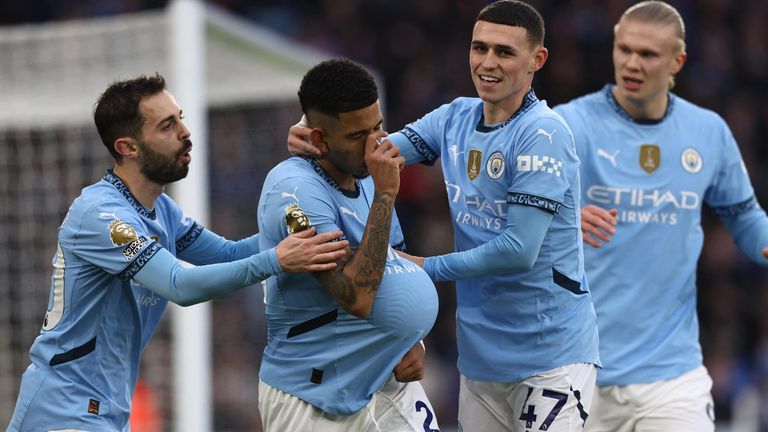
{"points": [[494, 167], [473, 163], [691, 160], [295, 219], [650, 157]]}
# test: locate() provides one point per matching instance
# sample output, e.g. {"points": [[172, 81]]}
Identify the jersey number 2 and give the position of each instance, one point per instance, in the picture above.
{"points": [[427, 421]]}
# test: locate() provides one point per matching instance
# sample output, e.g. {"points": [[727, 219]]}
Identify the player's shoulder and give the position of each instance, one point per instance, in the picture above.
{"points": [[586, 106], [690, 112], [465, 102], [296, 178], [98, 197], [295, 169], [542, 118], [460, 106]]}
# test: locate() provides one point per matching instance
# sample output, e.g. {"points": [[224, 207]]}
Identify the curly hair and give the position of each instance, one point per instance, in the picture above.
{"points": [[337, 86], [516, 14], [116, 112]]}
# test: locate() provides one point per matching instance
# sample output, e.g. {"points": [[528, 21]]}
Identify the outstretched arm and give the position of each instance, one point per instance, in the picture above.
{"points": [[514, 250], [300, 252], [299, 144]]}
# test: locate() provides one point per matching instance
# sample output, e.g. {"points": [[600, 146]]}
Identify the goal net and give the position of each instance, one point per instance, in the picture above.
{"points": [[50, 77]]}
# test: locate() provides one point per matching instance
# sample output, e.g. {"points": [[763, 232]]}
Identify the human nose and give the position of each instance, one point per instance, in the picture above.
{"points": [[184, 132], [489, 60], [633, 61]]}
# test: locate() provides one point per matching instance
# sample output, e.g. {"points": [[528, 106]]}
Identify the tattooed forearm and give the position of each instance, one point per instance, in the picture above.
{"points": [[375, 242], [342, 290], [355, 285]]}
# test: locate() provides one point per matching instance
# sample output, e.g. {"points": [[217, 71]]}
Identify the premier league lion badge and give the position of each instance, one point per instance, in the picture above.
{"points": [[295, 219]]}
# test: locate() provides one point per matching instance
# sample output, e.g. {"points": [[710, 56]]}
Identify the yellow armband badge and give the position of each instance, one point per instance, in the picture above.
{"points": [[295, 219]]}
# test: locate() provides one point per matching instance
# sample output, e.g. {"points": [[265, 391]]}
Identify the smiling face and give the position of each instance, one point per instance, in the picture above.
{"points": [[502, 61], [646, 56], [164, 143]]}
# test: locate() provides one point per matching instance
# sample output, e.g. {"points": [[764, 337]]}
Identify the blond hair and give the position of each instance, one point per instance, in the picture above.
{"points": [[661, 13]]}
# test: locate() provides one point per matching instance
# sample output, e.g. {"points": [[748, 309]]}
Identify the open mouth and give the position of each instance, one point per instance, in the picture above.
{"points": [[185, 153], [631, 83], [489, 79]]}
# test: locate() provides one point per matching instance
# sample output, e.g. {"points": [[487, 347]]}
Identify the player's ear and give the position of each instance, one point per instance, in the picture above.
{"points": [[126, 147], [538, 59], [317, 138], [678, 62]]}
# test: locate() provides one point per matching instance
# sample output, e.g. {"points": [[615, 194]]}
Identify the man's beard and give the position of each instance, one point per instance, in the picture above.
{"points": [[162, 169]]}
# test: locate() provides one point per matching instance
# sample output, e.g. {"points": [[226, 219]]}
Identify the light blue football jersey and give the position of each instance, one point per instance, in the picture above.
{"points": [[316, 351], [657, 175], [85, 361], [512, 326]]}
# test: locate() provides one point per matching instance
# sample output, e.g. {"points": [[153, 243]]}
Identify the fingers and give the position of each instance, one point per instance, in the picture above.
{"points": [[331, 246], [597, 224], [588, 239], [400, 162], [307, 233], [599, 231], [299, 142], [328, 236], [405, 372], [375, 141], [765, 252], [321, 267], [328, 257]]}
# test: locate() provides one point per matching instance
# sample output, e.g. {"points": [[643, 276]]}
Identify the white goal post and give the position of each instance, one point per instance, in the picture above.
{"points": [[50, 77]]}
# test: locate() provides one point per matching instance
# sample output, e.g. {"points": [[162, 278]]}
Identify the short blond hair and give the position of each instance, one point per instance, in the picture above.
{"points": [[661, 13]]}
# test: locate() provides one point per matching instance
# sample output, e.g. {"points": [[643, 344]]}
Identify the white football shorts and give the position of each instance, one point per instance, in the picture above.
{"points": [[683, 404], [557, 401]]}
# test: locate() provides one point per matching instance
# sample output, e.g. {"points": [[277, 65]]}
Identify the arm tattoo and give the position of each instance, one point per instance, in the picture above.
{"points": [[367, 263]]}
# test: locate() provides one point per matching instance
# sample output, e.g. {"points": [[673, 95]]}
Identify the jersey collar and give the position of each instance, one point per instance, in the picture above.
{"points": [[322, 173], [621, 112], [529, 100], [110, 177]]}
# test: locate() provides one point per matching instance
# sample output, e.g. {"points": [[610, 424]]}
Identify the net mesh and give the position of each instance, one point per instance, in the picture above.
{"points": [[50, 77]]}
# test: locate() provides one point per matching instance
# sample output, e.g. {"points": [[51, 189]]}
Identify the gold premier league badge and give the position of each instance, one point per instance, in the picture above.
{"points": [[473, 164], [121, 233], [295, 219], [650, 157]]}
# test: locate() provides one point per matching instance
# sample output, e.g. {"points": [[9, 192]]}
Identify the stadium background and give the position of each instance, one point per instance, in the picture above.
{"points": [[420, 50]]}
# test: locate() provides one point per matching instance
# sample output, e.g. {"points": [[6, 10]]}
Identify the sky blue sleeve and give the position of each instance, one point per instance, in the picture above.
{"points": [[407, 149], [748, 225], [164, 275], [514, 250], [732, 197], [545, 162], [420, 141], [210, 248]]}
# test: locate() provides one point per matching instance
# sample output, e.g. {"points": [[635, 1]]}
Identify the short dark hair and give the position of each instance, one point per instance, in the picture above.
{"points": [[116, 112], [516, 14], [337, 86]]}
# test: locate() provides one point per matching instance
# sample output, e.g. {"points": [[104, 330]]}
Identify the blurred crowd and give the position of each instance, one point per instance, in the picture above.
{"points": [[420, 49]]}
